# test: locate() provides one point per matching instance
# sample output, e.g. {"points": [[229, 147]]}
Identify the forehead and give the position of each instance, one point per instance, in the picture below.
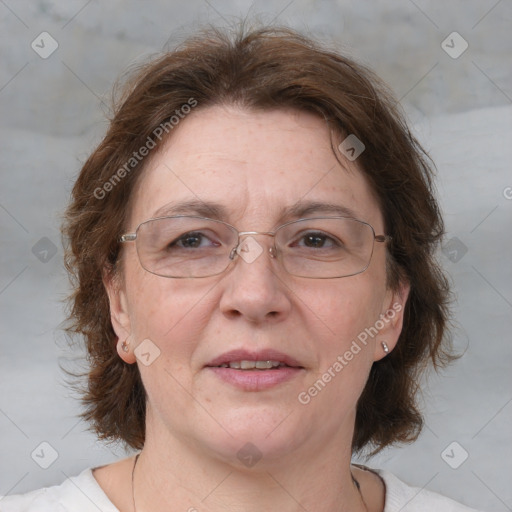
{"points": [[255, 165]]}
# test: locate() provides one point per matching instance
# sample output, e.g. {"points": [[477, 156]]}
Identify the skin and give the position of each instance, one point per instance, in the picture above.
{"points": [[255, 164]]}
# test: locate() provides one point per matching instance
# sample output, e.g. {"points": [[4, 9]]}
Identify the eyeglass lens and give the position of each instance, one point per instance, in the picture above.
{"points": [[197, 247]]}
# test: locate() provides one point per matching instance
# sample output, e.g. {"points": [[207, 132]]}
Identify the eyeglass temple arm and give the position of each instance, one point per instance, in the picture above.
{"points": [[128, 237], [383, 238]]}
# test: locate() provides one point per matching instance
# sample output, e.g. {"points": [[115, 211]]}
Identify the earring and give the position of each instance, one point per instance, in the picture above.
{"points": [[384, 347], [125, 346]]}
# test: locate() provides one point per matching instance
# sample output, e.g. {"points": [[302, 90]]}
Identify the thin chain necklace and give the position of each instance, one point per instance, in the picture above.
{"points": [[133, 487], [356, 483]]}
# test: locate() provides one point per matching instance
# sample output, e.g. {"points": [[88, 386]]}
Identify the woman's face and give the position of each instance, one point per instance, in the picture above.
{"points": [[255, 166]]}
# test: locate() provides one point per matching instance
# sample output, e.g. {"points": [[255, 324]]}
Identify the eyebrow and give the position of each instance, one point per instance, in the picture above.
{"points": [[217, 211], [208, 209], [305, 208]]}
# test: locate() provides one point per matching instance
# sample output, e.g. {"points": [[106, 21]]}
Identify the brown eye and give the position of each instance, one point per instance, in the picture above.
{"points": [[317, 240], [313, 240], [190, 240]]}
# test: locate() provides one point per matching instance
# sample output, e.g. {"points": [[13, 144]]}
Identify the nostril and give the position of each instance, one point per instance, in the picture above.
{"points": [[233, 313]]}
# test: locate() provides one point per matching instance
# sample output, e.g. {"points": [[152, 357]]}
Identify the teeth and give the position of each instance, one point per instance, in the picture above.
{"points": [[263, 364], [252, 365]]}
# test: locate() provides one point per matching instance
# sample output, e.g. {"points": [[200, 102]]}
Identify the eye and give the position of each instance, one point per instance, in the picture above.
{"points": [[193, 240], [316, 240]]}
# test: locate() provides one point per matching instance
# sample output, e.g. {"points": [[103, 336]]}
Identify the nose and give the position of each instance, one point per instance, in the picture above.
{"points": [[254, 287]]}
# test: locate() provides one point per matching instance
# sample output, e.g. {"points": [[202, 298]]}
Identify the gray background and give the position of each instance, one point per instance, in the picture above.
{"points": [[53, 115]]}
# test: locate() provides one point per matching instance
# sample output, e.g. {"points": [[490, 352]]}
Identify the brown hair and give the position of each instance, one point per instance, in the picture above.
{"points": [[265, 68]]}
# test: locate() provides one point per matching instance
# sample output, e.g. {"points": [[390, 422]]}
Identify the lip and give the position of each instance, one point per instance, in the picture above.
{"points": [[255, 380], [260, 355]]}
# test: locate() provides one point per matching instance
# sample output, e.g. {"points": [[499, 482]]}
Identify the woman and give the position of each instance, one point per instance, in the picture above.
{"points": [[252, 249]]}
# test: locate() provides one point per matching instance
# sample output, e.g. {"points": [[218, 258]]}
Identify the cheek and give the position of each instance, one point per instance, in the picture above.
{"points": [[169, 312], [172, 314], [343, 314], [343, 309]]}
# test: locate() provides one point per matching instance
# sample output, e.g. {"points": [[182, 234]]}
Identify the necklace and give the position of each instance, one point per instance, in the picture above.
{"points": [[358, 487], [356, 483], [133, 475]]}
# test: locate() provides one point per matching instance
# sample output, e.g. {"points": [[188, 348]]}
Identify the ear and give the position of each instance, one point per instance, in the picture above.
{"points": [[119, 315], [391, 320]]}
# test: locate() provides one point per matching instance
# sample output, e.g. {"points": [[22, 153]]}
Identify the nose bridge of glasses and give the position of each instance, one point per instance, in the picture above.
{"points": [[242, 236], [246, 233]]}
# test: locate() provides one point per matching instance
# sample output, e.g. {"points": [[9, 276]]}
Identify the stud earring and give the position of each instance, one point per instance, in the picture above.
{"points": [[125, 346], [384, 347]]}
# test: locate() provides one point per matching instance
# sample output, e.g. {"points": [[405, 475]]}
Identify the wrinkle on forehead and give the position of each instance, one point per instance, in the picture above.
{"points": [[254, 162]]}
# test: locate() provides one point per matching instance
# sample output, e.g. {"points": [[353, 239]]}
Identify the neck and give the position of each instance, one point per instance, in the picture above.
{"points": [[189, 480]]}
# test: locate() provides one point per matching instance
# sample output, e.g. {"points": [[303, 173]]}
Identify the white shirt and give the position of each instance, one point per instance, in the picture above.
{"points": [[82, 493]]}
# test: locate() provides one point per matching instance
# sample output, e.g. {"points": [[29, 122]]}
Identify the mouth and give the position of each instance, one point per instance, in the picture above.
{"points": [[254, 371], [252, 365], [252, 361]]}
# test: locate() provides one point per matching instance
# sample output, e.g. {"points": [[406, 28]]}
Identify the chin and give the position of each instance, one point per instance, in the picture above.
{"points": [[259, 437]]}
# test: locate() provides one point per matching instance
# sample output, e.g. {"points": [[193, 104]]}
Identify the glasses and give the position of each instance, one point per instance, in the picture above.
{"points": [[195, 247]]}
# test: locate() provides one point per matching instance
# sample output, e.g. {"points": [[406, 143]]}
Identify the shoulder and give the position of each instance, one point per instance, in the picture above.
{"points": [[76, 494], [404, 498]]}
